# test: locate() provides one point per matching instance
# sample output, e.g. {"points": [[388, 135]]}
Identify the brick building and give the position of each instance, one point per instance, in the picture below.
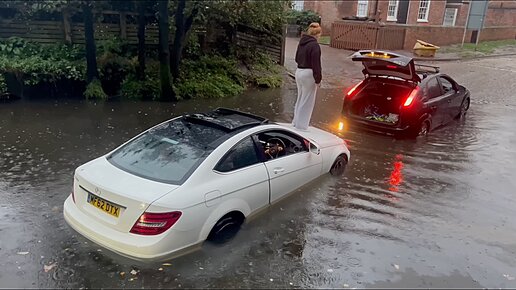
{"points": [[437, 21]]}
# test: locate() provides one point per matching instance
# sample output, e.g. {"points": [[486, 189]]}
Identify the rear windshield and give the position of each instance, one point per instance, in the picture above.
{"points": [[167, 153]]}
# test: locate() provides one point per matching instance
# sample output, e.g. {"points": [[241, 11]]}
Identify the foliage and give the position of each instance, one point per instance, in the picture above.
{"points": [[302, 18], [262, 71], [3, 85], [210, 77], [114, 63], [94, 91], [33, 63], [263, 15], [148, 89]]}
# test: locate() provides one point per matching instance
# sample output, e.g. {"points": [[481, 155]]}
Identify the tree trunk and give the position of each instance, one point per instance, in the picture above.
{"points": [[183, 25], [141, 40], [167, 93], [91, 52]]}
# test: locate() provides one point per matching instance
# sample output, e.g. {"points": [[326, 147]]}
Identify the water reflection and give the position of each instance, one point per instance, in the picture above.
{"points": [[434, 205]]}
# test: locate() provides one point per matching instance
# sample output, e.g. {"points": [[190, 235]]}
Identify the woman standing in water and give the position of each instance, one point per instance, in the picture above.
{"points": [[308, 75]]}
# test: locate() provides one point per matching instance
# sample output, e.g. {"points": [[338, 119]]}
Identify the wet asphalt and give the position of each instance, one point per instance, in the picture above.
{"points": [[434, 212]]}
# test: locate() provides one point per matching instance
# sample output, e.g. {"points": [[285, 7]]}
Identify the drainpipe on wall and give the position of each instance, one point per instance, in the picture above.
{"points": [[376, 15]]}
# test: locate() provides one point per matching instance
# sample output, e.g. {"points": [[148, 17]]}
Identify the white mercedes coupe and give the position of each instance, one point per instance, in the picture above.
{"points": [[194, 178]]}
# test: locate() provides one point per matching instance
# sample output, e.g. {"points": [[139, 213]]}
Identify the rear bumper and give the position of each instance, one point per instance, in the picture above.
{"points": [[144, 248], [376, 126]]}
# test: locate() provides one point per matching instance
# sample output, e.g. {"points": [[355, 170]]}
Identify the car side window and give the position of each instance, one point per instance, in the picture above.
{"points": [[279, 143], [433, 88], [241, 155], [446, 85]]}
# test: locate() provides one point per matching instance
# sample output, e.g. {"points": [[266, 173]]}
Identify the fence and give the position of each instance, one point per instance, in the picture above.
{"points": [[73, 32], [356, 36]]}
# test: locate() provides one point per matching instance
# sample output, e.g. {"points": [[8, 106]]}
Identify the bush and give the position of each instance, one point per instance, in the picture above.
{"points": [[210, 77], [211, 86], [303, 18], [33, 63], [94, 91], [149, 89], [262, 71]]}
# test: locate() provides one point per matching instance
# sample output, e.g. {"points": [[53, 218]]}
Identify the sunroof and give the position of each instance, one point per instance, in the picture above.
{"points": [[227, 119]]}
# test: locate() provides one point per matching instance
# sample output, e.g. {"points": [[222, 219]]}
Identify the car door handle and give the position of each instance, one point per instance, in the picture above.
{"points": [[278, 170]]}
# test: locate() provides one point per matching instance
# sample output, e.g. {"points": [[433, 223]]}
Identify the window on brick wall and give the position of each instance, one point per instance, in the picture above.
{"points": [[392, 10], [362, 8], [450, 15], [424, 9]]}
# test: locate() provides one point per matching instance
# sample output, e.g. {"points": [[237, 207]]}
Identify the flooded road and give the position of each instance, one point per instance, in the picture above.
{"points": [[437, 212]]}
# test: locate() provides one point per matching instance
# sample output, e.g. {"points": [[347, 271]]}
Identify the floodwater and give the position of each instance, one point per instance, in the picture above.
{"points": [[436, 212]]}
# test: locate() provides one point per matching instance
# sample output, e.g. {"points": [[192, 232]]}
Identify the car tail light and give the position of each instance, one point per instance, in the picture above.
{"points": [[352, 90], [411, 97], [151, 223]]}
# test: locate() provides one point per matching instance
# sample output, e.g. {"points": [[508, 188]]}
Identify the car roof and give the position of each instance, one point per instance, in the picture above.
{"points": [[228, 121]]}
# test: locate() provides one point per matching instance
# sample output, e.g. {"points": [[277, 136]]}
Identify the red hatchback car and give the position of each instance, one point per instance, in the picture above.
{"points": [[398, 96]]}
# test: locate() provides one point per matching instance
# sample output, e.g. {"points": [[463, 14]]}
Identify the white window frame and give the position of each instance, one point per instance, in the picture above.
{"points": [[396, 4], [364, 4], [454, 16], [427, 12]]}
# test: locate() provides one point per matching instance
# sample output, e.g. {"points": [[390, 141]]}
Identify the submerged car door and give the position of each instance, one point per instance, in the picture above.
{"points": [[450, 89], [436, 102], [243, 175], [292, 168]]}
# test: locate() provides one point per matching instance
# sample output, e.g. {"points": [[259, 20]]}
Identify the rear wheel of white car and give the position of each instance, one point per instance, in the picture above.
{"points": [[339, 166], [226, 228]]}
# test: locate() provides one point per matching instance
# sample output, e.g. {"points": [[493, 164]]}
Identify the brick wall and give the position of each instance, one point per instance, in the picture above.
{"points": [[440, 35], [435, 16], [331, 11]]}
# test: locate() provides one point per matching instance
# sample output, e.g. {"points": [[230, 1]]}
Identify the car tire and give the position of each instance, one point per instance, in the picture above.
{"points": [[463, 109], [226, 228], [339, 165]]}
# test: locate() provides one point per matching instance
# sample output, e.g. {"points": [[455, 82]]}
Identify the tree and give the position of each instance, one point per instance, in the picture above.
{"points": [[92, 72], [183, 25], [141, 39], [167, 93]]}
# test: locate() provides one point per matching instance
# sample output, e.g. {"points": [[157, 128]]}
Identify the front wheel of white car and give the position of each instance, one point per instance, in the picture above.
{"points": [[339, 166]]}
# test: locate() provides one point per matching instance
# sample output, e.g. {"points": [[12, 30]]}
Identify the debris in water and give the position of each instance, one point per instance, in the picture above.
{"points": [[397, 267], [330, 270], [201, 268], [99, 250], [47, 268], [291, 283], [272, 280], [23, 253], [134, 272], [346, 285], [510, 278], [167, 264], [160, 269], [122, 274]]}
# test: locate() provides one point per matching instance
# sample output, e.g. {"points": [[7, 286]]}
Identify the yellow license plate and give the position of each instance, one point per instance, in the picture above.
{"points": [[104, 205]]}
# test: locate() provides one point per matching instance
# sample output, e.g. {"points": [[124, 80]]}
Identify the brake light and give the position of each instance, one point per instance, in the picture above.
{"points": [[151, 223], [411, 97], [391, 66], [352, 90]]}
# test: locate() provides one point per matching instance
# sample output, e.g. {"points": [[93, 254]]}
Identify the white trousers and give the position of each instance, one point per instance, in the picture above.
{"points": [[306, 91]]}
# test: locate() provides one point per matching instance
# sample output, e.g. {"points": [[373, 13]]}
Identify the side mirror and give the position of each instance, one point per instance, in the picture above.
{"points": [[314, 149]]}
